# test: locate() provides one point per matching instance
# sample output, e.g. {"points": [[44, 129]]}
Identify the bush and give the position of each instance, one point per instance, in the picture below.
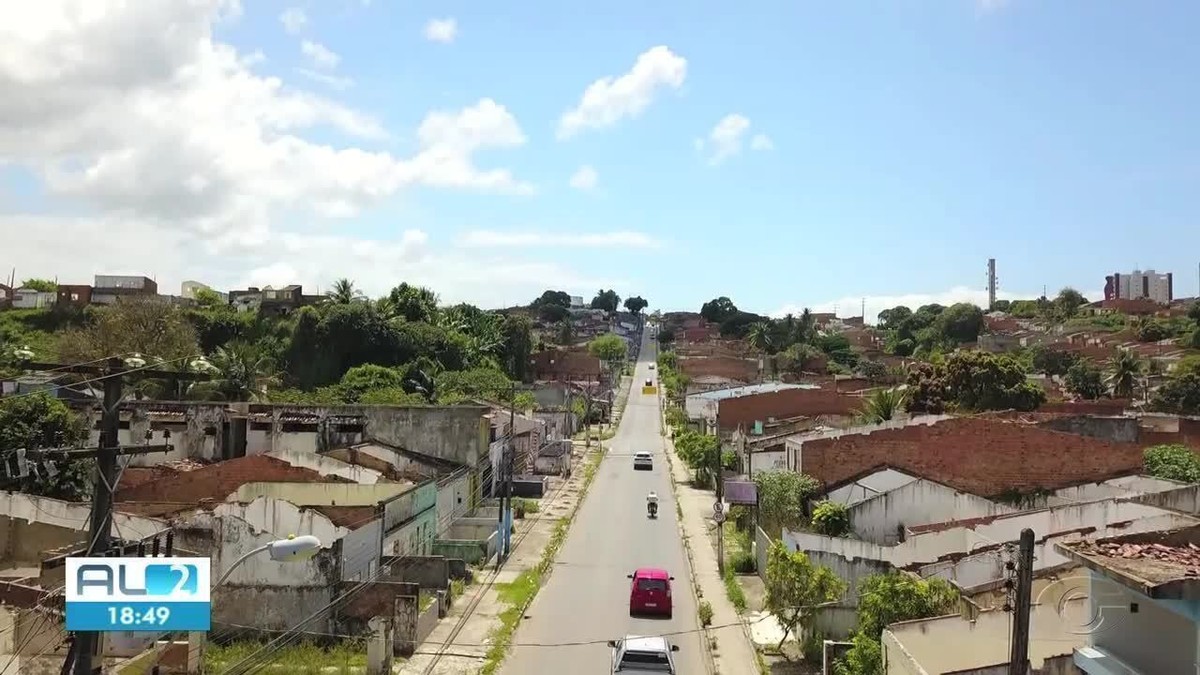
{"points": [[831, 519], [743, 562], [706, 614], [1173, 462]]}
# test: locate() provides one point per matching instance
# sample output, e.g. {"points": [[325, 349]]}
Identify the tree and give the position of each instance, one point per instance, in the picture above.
{"points": [[782, 496], [636, 304], [1194, 311], [760, 337], [516, 346], [1123, 373], [240, 372], [369, 377], [1067, 303], [718, 310], [552, 306], [43, 285], [699, 451], [1085, 381], [344, 292], [489, 384], [1146, 329], [608, 348], [666, 336], [411, 303], [40, 421], [1179, 395], [1052, 361], [882, 405], [972, 381], [1173, 462], [606, 300], [961, 322], [884, 599], [872, 371], [207, 297], [796, 588], [564, 332], [831, 519], [149, 327]]}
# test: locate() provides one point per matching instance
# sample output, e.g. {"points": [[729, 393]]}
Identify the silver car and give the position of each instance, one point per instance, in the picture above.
{"points": [[636, 654], [643, 461]]}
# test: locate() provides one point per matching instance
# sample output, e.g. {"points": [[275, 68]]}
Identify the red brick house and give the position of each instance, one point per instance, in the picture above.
{"points": [[556, 365]]}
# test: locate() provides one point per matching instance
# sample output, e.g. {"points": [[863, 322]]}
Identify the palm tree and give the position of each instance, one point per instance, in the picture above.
{"points": [[240, 372], [344, 292], [882, 405], [760, 337], [1123, 373]]}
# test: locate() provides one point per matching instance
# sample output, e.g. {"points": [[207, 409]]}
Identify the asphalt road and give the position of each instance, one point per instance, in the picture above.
{"points": [[586, 600]]}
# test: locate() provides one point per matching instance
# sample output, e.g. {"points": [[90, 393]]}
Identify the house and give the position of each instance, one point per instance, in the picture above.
{"points": [[188, 290], [272, 301], [31, 298], [107, 288], [569, 366], [76, 295], [979, 455], [6, 296], [1129, 306], [1145, 590], [727, 409]]}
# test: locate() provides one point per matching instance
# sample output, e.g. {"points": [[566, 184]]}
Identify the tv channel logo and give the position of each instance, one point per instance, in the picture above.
{"points": [[132, 594]]}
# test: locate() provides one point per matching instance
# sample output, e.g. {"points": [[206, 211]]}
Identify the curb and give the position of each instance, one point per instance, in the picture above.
{"points": [[710, 664]]}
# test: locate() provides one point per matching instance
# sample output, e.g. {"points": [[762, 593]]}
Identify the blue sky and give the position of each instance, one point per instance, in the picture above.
{"points": [[909, 142]]}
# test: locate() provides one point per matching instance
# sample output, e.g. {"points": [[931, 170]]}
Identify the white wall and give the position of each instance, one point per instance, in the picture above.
{"points": [[1108, 518], [953, 644], [327, 466], [233, 537], [282, 518], [74, 515], [869, 486], [321, 494], [767, 460], [1116, 487], [453, 501], [882, 518], [700, 407]]}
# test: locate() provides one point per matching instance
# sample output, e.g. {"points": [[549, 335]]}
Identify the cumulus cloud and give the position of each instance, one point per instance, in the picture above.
{"points": [[293, 19], [585, 178], [181, 158], [851, 306], [441, 30], [612, 99], [728, 138], [320, 55], [492, 239]]}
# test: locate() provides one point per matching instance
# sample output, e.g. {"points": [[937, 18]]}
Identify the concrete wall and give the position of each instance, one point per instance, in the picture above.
{"points": [[1094, 519], [1185, 499], [414, 537], [224, 539], [281, 518], [327, 466], [869, 486], [454, 499], [1125, 486], [361, 550], [952, 644], [1155, 639], [31, 525], [470, 551], [273, 608], [882, 519], [428, 572], [1115, 429], [427, 620], [321, 494]]}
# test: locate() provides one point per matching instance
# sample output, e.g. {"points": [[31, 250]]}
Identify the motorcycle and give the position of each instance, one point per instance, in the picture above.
{"points": [[652, 506]]}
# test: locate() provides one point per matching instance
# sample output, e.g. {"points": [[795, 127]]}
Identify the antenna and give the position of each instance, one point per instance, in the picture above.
{"points": [[991, 283]]}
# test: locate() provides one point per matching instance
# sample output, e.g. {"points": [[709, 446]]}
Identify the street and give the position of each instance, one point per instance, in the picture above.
{"points": [[586, 600]]}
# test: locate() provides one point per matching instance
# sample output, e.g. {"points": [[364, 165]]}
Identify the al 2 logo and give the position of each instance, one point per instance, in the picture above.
{"points": [[158, 580]]}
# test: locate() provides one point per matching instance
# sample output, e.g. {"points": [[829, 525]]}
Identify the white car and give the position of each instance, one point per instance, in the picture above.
{"points": [[643, 460], [636, 654]]}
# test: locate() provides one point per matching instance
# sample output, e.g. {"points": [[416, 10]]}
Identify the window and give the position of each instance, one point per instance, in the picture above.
{"points": [[652, 585]]}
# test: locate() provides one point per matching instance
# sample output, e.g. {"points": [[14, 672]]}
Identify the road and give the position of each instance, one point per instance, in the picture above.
{"points": [[586, 600]]}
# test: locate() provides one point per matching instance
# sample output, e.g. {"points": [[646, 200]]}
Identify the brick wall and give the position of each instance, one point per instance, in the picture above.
{"points": [[744, 410], [742, 370], [218, 481], [981, 456]]}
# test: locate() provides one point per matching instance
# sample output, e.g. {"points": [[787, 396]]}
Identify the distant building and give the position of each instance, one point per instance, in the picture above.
{"points": [[1137, 285], [274, 301], [577, 302], [188, 289], [107, 289], [31, 298]]}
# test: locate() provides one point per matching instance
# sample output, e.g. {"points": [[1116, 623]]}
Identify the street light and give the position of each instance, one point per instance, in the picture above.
{"points": [[23, 353], [292, 549], [135, 361]]}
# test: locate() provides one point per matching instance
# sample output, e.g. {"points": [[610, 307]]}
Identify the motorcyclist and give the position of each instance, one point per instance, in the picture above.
{"points": [[652, 503]]}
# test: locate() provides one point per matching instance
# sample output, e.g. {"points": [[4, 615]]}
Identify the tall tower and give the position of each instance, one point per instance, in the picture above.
{"points": [[991, 287]]}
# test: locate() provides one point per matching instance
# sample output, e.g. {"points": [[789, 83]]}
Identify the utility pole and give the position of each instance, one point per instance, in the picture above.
{"points": [[1019, 660], [85, 644], [720, 491]]}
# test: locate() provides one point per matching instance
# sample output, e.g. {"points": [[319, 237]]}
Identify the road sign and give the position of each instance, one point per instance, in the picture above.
{"points": [[719, 517], [718, 508]]}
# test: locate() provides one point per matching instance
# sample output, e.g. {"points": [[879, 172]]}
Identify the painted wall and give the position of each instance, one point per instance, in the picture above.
{"points": [[882, 519], [282, 518], [321, 494], [453, 500], [869, 486], [327, 466], [1155, 639]]}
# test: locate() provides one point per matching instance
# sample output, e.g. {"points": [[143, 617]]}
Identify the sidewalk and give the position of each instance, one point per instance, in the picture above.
{"points": [[732, 651]]}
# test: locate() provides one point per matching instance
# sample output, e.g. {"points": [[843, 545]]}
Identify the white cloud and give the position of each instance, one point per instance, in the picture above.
{"points": [[850, 306], [492, 239], [334, 81], [612, 99], [585, 178], [181, 157], [441, 30], [728, 138], [293, 19], [319, 54]]}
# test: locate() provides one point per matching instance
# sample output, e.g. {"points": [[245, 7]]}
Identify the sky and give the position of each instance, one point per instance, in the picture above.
{"points": [[787, 155]]}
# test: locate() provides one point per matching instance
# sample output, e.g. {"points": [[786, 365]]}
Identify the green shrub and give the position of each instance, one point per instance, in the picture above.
{"points": [[706, 613], [831, 519]]}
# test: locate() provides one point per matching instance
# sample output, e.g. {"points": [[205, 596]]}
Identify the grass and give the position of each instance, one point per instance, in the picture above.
{"points": [[531, 506], [427, 599], [306, 657], [520, 593], [734, 590], [457, 588]]}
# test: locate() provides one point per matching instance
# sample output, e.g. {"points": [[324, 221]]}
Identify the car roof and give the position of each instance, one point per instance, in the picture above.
{"points": [[651, 573], [639, 643]]}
